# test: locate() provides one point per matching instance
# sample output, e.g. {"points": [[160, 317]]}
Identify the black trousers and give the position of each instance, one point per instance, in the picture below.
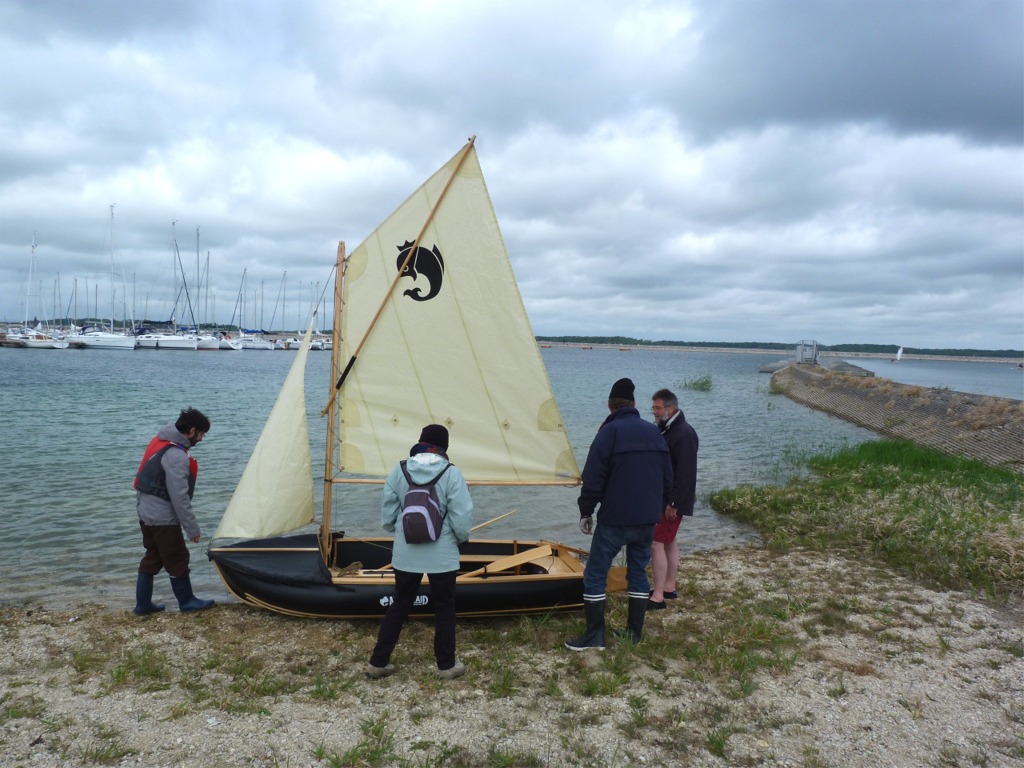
{"points": [[442, 598]]}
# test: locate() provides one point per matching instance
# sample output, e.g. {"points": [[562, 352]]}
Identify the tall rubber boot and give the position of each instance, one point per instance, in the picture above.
{"points": [[593, 640], [182, 587], [144, 596], [635, 621]]}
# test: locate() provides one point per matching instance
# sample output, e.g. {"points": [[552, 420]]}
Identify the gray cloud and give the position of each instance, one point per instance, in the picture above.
{"points": [[719, 171]]}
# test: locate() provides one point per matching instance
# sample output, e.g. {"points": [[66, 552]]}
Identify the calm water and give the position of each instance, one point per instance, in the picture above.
{"points": [[994, 379], [76, 422]]}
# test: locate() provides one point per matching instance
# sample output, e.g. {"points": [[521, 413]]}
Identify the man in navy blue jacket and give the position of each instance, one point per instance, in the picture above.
{"points": [[628, 474]]}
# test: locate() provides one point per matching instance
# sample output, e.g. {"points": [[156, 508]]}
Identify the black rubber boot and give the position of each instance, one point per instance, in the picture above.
{"points": [[144, 596], [182, 587], [593, 640], [635, 622]]}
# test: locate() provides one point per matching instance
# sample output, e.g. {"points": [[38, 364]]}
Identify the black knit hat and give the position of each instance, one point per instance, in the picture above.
{"points": [[621, 390], [435, 434]]}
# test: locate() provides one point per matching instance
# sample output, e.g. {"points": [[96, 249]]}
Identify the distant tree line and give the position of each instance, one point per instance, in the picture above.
{"points": [[878, 349]]}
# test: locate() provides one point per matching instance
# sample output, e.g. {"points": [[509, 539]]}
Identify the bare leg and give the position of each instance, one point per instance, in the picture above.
{"points": [[659, 564], [671, 566]]}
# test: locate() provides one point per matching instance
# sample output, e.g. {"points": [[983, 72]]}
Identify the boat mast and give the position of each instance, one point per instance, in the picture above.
{"points": [[28, 285], [112, 329], [199, 286], [325, 529]]}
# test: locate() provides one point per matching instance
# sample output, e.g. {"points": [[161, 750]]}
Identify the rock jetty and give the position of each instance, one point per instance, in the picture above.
{"points": [[990, 429]]}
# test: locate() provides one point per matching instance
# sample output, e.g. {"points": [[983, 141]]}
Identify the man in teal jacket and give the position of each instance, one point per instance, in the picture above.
{"points": [[439, 560]]}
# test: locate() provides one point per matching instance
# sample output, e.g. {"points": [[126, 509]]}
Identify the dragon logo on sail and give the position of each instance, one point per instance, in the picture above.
{"points": [[424, 263]]}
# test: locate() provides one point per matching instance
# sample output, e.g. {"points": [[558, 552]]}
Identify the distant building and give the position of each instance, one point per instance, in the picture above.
{"points": [[807, 352]]}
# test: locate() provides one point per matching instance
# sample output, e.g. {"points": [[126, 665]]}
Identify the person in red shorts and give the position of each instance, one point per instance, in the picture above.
{"points": [[682, 445]]}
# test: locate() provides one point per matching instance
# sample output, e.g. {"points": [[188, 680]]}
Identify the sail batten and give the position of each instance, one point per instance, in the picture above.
{"points": [[453, 345]]}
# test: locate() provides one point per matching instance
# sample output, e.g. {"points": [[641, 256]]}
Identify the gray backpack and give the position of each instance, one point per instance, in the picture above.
{"points": [[421, 510]]}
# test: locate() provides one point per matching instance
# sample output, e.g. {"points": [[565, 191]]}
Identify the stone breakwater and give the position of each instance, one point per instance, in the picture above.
{"points": [[990, 429]]}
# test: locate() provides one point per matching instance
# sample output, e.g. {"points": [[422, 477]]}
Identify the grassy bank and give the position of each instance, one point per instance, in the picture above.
{"points": [[954, 522]]}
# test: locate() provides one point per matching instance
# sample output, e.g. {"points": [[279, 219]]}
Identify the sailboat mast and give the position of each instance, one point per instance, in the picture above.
{"points": [[199, 286], [325, 529], [111, 269], [28, 285], [207, 310], [174, 271]]}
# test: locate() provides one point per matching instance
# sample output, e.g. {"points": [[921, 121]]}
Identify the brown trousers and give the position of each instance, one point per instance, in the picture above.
{"points": [[165, 548]]}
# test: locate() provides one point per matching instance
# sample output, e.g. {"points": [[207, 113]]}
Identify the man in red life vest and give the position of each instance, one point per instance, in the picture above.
{"points": [[165, 483]]}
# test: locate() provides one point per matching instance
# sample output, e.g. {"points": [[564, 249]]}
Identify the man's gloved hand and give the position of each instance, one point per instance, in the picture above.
{"points": [[587, 524]]}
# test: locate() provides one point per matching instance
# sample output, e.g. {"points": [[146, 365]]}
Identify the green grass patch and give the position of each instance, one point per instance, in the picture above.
{"points": [[109, 748], [145, 666], [12, 708], [699, 384], [375, 748], [945, 519]]}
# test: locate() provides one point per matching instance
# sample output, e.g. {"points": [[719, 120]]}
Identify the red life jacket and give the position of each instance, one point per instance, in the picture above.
{"points": [[151, 477]]}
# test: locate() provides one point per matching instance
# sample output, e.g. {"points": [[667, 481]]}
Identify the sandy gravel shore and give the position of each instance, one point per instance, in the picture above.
{"points": [[849, 665]]}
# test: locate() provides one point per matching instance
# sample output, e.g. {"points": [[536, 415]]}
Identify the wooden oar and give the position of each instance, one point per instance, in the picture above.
{"points": [[509, 562], [493, 520]]}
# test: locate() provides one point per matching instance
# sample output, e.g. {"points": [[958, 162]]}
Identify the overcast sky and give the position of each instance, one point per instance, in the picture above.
{"points": [[696, 171]]}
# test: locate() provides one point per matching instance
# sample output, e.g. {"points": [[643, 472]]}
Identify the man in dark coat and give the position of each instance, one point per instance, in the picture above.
{"points": [[628, 475], [682, 445]]}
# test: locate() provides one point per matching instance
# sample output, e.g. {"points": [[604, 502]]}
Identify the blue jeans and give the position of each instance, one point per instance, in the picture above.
{"points": [[608, 540]]}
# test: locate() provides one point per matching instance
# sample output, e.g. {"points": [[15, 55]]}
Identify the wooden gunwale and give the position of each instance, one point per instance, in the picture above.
{"points": [[264, 549], [493, 483]]}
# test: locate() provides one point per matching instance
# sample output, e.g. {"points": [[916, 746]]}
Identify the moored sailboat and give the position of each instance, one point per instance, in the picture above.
{"points": [[97, 337], [433, 331], [37, 336], [44, 340], [93, 337], [250, 340], [167, 340]]}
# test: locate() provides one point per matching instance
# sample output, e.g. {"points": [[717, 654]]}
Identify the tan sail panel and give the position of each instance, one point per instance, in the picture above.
{"points": [[456, 308], [275, 492]]}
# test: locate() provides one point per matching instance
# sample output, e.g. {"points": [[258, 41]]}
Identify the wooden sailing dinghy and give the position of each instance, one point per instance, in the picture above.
{"points": [[433, 331]]}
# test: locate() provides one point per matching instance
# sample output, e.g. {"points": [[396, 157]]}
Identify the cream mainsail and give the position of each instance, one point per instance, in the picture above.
{"points": [[275, 493], [451, 345]]}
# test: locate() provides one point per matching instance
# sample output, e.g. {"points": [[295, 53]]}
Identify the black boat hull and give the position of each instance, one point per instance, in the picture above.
{"points": [[288, 575]]}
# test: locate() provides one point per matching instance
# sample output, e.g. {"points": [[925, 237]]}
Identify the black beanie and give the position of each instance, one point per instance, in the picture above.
{"points": [[435, 434], [621, 390]]}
